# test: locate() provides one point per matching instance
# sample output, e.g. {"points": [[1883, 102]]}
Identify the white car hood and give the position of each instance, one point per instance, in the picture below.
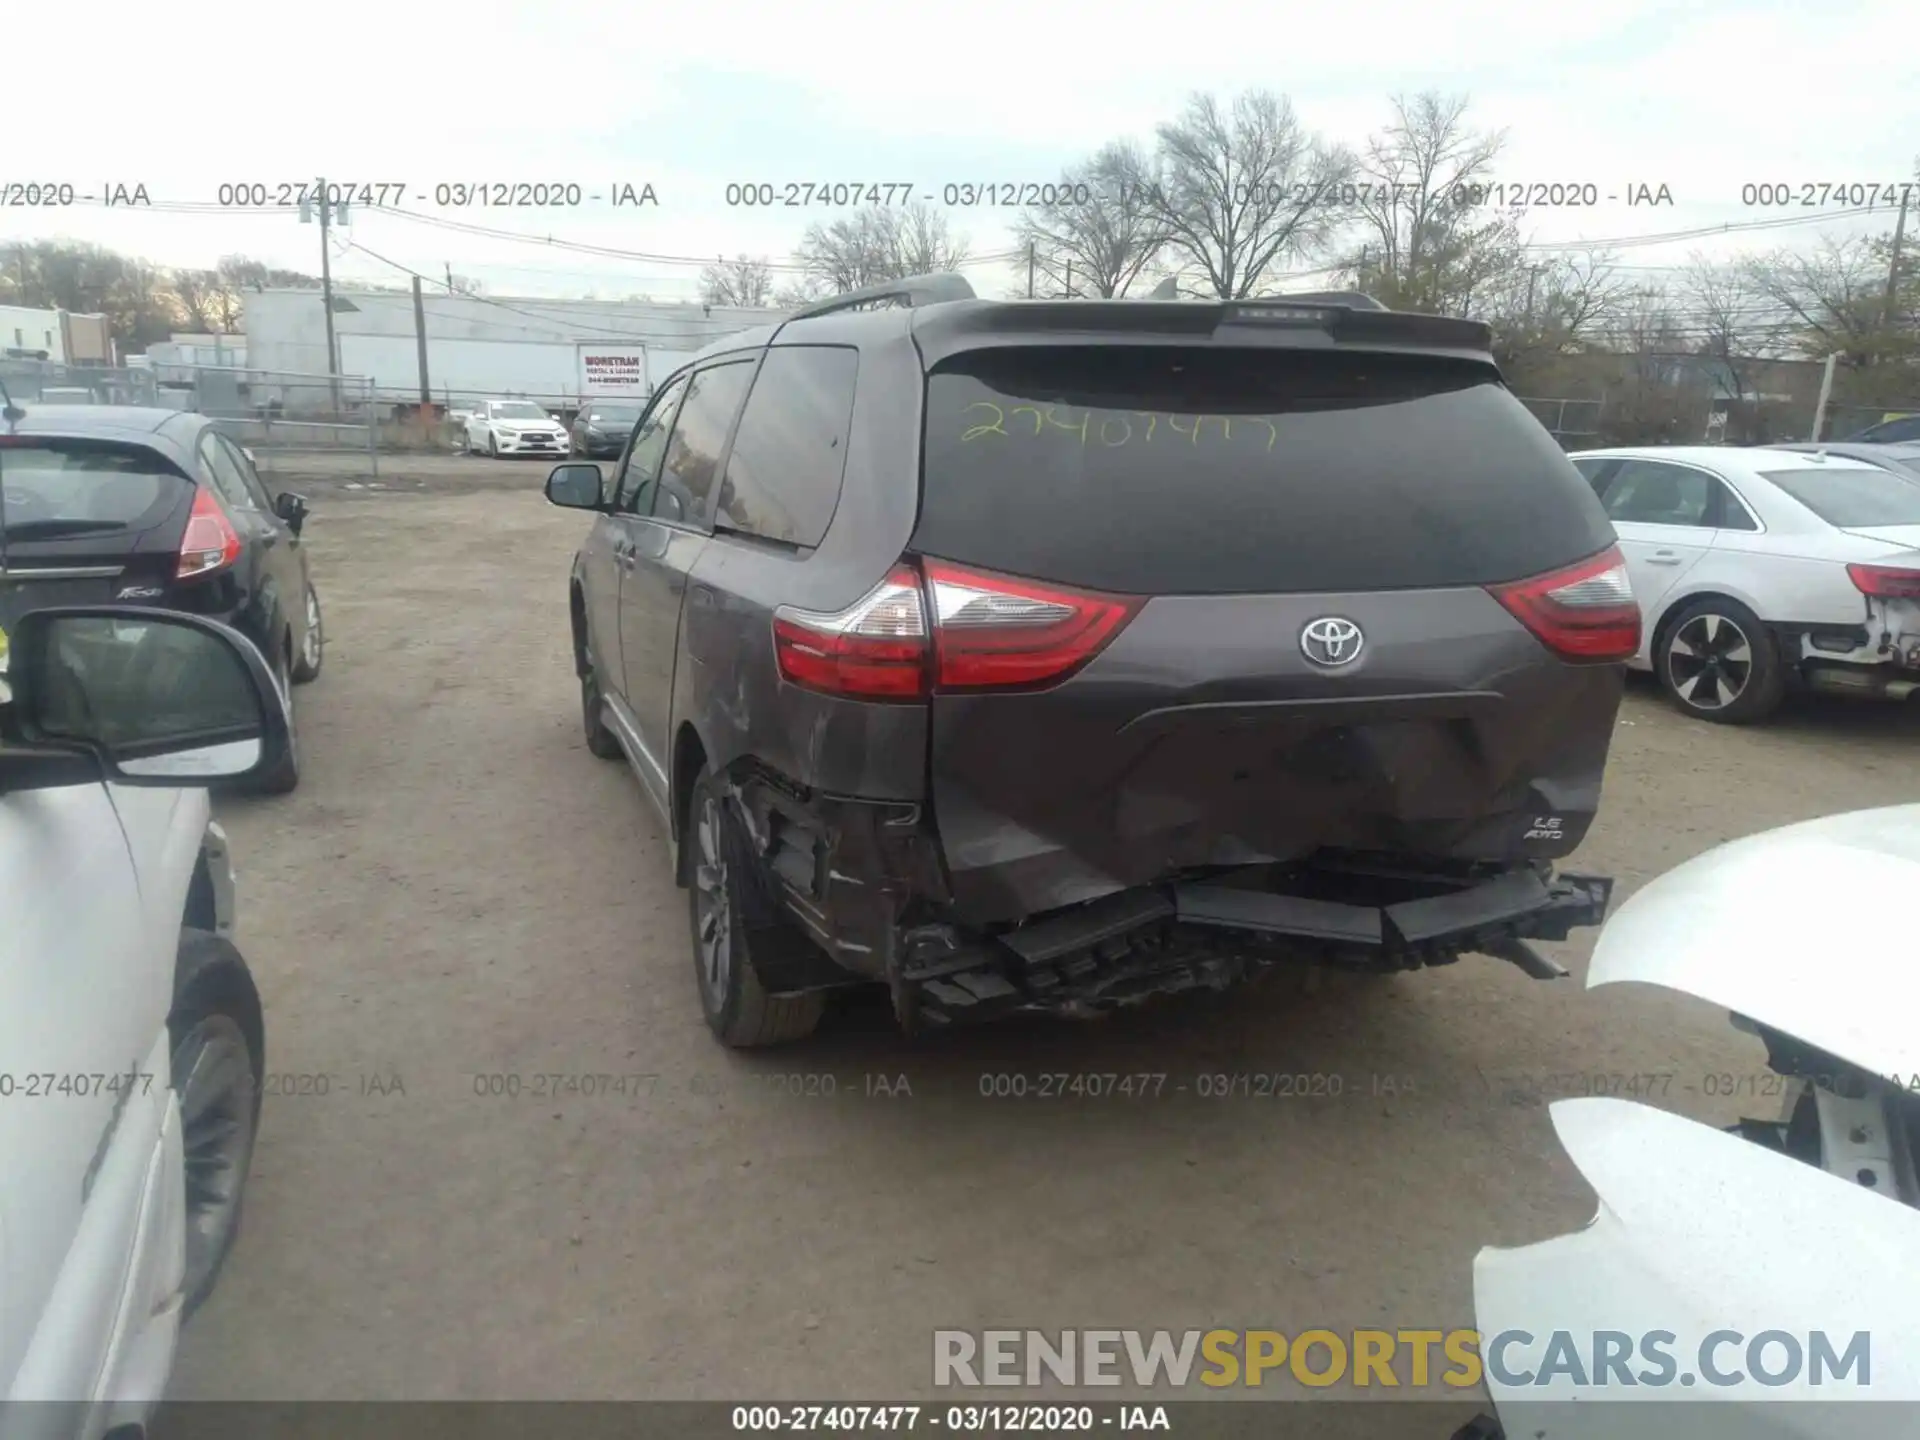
{"points": [[1805, 929], [1802, 929]]}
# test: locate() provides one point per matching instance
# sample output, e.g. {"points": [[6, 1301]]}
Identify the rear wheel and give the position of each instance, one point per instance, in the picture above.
{"points": [[735, 920], [306, 665], [284, 777], [1718, 662], [217, 1043]]}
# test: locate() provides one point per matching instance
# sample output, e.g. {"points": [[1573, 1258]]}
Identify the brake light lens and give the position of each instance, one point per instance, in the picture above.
{"points": [[999, 631], [1585, 612], [211, 543], [875, 649], [1885, 582]]}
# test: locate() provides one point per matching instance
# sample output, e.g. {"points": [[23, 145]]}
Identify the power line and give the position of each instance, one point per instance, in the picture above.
{"points": [[557, 325]]}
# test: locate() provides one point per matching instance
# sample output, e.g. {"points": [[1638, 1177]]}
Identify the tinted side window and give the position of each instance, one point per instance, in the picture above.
{"points": [[1732, 514], [249, 477], [699, 435], [783, 474], [1651, 492], [1596, 472], [218, 467], [643, 455]]}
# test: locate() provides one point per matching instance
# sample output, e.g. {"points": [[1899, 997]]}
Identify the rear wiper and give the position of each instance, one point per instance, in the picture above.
{"points": [[52, 529]]}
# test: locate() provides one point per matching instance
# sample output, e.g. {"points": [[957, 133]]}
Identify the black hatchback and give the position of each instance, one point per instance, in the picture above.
{"points": [[107, 504], [1052, 655]]}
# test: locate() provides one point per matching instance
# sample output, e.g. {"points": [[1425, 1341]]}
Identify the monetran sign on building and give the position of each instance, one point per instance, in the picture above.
{"points": [[608, 370]]}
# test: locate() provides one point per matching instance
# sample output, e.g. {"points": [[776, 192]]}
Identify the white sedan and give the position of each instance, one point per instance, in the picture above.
{"points": [[1757, 568], [515, 427], [131, 1034]]}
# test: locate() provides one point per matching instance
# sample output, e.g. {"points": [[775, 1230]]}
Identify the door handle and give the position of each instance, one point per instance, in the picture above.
{"points": [[1663, 557], [702, 595]]}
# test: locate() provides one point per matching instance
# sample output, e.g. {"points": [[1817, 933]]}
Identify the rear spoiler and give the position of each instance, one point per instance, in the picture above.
{"points": [[1334, 321]]}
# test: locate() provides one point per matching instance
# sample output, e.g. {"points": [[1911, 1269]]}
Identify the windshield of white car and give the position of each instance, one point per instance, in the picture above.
{"points": [[520, 412], [1849, 496]]}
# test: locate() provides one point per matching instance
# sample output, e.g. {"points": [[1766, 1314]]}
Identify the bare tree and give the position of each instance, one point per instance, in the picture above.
{"points": [[876, 244], [1241, 190], [1557, 305], [741, 281], [1429, 243], [1100, 229], [196, 290], [1832, 299]]}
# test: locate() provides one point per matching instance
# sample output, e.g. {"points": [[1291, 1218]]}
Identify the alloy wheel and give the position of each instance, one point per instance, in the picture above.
{"points": [[1709, 662], [310, 645], [213, 1074], [713, 911]]}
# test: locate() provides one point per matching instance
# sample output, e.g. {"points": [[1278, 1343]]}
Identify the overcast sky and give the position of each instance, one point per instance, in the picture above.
{"points": [[1699, 97]]}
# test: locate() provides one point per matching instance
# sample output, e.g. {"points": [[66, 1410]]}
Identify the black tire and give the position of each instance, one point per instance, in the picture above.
{"points": [[217, 1040], [284, 778], [735, 893], [306, 664], [600, 740], [493, 445], [1717, 662]]}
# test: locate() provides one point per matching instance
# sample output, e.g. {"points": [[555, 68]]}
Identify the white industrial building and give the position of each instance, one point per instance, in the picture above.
{"points": [[59, 337], [555, 352]]}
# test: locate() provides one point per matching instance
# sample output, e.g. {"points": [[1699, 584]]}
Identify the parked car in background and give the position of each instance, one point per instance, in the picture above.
{"points": [[1052, 656], [117, 504], [1758, 569], [1900, 430], [514, 427], [601, 428], [1901, 457], [132, 1043]]}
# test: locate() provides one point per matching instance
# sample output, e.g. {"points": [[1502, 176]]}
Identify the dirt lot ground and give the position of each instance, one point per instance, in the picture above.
{"points": [[459, 891]]}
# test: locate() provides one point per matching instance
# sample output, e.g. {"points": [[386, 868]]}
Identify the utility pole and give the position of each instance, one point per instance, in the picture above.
{"points": [[420, 335], [1533, 273], [326, 293], [1030, 260], [1826, 391], [1070, 280], [450, 277], [1893, 261]]}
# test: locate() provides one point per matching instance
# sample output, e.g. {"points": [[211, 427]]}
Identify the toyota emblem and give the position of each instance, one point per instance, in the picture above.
{"points": [[1331, 641]]}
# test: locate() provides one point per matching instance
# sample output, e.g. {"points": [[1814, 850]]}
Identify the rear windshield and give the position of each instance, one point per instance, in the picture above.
{"points": [[57, 488], [1171, 471], [1852, 497]]}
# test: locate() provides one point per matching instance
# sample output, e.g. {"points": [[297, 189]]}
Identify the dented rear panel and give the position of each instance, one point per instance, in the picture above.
{"points": [[1315, 661]]}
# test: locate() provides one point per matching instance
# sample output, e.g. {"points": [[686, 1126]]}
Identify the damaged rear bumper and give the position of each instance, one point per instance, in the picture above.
{"points": [[1159, 940]]}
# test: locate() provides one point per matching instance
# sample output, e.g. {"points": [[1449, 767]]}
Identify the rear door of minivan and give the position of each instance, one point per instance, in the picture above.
{"points": [[1283, 563]]}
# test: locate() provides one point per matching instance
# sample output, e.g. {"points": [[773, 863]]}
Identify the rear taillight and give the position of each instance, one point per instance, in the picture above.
{"points": [[1884, 582], [875, 649], [965, 630], [1584, 612], [996, 631], [211, 543]]}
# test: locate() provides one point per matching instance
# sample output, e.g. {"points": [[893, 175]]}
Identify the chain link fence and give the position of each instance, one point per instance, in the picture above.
{"points": [[292, 422], [1574, 423]]}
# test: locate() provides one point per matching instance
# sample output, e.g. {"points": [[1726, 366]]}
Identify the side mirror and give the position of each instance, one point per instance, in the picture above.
{"points": [[137, 696], [291, 508], [575, 486], [252, 459]]}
